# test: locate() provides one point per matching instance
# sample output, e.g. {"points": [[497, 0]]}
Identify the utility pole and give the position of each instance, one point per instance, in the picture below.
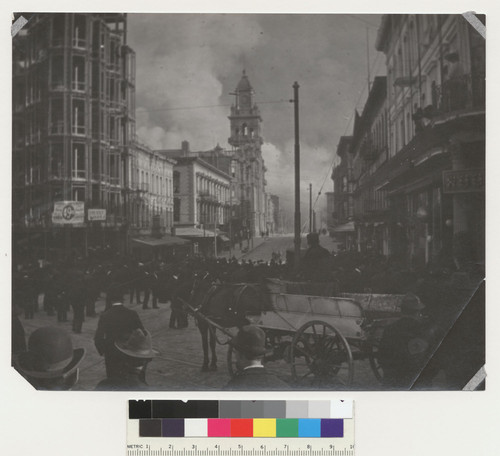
{"points": [[310, 209], [295, 102]]}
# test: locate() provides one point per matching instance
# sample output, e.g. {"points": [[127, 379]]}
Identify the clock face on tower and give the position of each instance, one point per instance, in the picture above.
{"points": [[245, 98]]}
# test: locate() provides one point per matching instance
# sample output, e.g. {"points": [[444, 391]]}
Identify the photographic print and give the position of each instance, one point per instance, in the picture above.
{"points": [[251, 202]]}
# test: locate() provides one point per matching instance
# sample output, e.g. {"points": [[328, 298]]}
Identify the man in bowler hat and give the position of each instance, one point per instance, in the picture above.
{"points": [[50, 362]]}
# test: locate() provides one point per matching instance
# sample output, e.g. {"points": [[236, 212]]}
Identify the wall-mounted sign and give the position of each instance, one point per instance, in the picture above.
{"points": [[463, 181], [96, 215], [68, 212]]}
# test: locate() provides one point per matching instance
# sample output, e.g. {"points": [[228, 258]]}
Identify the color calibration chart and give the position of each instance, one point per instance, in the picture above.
{"points": [[240, 428]]}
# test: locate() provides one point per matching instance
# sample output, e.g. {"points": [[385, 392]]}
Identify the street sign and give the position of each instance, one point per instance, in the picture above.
{"points": [[96, 215], [463, 181], [68, 212]]}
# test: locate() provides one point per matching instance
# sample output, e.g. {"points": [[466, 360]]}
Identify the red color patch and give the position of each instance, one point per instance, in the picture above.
{"points": [[241, 427]]}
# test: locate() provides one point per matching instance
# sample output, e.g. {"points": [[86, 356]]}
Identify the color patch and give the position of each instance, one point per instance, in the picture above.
{"points": [[274, 409], [332, 428], [264, 427], [309, 428], [341, 409], [241, 427], [297, 409], [219, 427], [195, 427], [230, 409], [181, 409], [150, 428], [172, 427], [319, 409], [252, 409], [287, 427], [139, 409]]}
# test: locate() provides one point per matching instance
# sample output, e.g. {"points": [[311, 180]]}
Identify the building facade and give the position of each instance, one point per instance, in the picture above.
{"points": [[436, 117], [343, 230], [418, 149], [151, 200], [201, 194], [73, 121], [248, 169], [369, 151]]}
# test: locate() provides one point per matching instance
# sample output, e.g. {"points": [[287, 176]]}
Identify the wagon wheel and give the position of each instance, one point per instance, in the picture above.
{"points": [[321, 356], [231, 361], [372, 351]]}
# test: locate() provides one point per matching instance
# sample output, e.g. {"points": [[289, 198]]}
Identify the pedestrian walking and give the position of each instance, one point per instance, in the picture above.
{"points": [[115, 324]]}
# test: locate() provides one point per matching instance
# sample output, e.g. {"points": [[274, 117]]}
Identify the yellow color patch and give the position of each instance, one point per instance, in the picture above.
{"points": [[264, 427]]}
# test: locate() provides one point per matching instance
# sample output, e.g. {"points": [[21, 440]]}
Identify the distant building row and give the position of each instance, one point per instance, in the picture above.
{"points": [[411, 178]]}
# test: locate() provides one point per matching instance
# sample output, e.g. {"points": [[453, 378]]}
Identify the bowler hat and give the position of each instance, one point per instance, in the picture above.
{"points": [[137, 345], [250, 341], [50, 354]]}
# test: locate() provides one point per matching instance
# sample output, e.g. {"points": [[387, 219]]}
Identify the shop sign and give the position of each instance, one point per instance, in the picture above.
{"points": [[68, 213], [96, 215], [463, 181]]}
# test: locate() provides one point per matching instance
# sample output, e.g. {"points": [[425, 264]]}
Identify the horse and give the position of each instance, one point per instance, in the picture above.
{"points": [[227, 305]]}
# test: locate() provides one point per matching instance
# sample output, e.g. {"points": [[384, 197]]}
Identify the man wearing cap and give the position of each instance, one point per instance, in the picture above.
{"points": [[249, 347], [50, 362], [115, 324], [404, 346], [134, 354]]}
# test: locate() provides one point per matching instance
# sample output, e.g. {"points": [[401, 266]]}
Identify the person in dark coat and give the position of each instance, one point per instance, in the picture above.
{"points": [[315, 264], [134, 354], [404, 346], [115, 324], [249, 347]]}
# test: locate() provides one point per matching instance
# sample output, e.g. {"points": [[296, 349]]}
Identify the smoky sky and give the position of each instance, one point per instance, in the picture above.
{"points": [[188, 64]]}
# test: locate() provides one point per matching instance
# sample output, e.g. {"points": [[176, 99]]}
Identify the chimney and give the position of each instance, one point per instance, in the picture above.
{"points": [[185, 148]]}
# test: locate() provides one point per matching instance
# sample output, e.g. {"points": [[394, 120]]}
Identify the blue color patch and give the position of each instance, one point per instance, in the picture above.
{"points": [[309, 427]]}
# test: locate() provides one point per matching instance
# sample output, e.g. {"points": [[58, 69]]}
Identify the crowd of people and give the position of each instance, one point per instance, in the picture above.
{"points": [[127, 346]]}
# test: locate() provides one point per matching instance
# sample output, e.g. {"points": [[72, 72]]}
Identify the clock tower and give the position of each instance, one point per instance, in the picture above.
{"points": [[245, 117]]}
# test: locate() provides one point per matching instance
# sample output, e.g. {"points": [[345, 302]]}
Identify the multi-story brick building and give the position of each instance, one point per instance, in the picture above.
{"points": [[73, 122]]}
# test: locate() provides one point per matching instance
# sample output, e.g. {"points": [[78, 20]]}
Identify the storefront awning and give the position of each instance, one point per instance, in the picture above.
{"points": [[193, 232], [346, 227], [166, 240], [223, 238]]}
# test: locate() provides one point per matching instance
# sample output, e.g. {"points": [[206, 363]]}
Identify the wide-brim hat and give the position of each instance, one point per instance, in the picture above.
{"points": [[137, 345], [50, 354], [250, 341]]}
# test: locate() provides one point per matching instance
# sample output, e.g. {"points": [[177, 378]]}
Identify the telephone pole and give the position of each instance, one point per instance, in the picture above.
{"points": [[310, 209], [295, 102]]}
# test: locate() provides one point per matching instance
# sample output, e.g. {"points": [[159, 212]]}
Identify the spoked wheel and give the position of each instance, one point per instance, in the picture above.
{"points": [[321, 357], [231, 361], [374, 364]]}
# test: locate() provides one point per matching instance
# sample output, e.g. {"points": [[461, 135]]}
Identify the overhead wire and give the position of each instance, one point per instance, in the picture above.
{"points": [[373, 67]]}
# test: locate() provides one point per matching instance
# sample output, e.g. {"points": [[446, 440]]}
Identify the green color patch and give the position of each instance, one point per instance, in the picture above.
{"points": [[288, 427]]}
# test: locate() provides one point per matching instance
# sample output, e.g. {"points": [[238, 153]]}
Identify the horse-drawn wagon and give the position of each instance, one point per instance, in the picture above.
{"points": [[318, 335]]}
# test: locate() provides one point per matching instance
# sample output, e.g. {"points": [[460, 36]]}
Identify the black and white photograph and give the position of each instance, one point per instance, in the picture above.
{"points": [[248, 202]]}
